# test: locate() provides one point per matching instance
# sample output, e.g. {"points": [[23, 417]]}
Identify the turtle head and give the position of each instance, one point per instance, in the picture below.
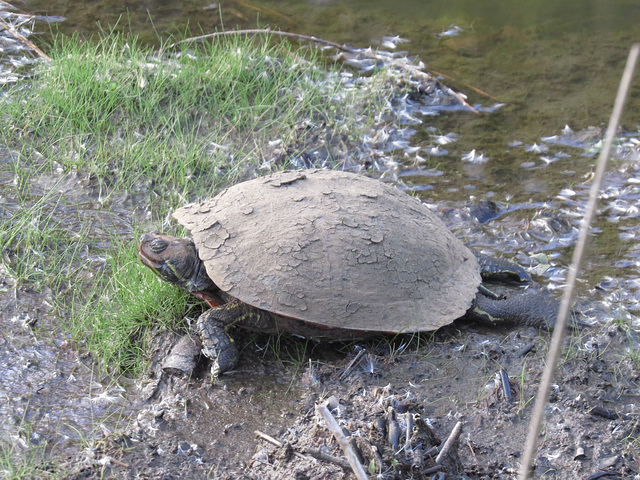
{"points": [[175, 260]]}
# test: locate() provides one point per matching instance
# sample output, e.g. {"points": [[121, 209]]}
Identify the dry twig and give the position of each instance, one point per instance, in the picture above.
{"points": [[306, 452], [560, 329], [325, 457], [352, 364], [449, 442], [263, 31], [7, 5], [118, 462], [346, 447], [475, 89], [278, 444]]}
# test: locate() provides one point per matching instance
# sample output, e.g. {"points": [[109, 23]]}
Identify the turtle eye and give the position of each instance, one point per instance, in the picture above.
{"points": [[158, 245]]}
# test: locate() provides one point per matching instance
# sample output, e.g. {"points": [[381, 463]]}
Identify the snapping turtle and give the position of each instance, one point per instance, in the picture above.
{"points": [[326, 254]]}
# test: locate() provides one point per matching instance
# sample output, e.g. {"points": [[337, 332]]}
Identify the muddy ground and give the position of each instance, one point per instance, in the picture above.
{"points": [[192, 429], [402, 396]]}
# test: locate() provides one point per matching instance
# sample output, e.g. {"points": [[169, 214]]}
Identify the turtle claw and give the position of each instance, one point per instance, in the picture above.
{"points": [[224, 360]]}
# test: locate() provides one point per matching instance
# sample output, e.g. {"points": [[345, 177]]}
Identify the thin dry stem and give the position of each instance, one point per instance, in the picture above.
{"points": [[449, 442], [560, 329]]}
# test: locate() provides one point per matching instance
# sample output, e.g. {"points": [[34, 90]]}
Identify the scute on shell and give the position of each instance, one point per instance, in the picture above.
{"points": [[336, 249]]}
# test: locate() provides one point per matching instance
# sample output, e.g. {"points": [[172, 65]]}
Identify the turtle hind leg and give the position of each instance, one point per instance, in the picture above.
{"points": [[498, 269], [535, 309]]}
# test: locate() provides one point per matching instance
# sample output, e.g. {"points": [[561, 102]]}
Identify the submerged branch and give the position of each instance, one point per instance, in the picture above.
{"points": [[412, 70], [22, 39], [265, 31]]}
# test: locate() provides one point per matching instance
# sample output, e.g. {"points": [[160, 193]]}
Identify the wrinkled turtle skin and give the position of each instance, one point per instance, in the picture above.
{"points": [[327, 255]]}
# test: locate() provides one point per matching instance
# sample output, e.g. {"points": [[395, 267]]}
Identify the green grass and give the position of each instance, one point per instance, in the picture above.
{"points": [[181, 122], [631, 337], [126, 306], [27, 458], [111, 136], [18, 465]]}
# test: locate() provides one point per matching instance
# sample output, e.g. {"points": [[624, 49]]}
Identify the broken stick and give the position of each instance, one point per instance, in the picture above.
{"points": [[449, 443], [22, 39], [306, 453], [346, 447], [278, 444]]}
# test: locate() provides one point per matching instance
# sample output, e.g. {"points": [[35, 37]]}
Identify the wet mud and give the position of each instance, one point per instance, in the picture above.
{"points": [[190, 427]]}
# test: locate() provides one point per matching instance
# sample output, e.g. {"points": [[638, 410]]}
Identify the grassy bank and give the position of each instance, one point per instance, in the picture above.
{"points": [[108, 138]]}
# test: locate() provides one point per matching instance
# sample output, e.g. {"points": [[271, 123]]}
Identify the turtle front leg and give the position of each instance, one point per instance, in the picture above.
{"points": [[212, 328]]}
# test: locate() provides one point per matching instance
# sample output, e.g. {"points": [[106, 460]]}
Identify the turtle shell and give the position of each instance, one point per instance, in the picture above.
{"points": [[336, 249]]}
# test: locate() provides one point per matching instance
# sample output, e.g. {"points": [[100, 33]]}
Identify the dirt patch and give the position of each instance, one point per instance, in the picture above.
{"points": [[189, 427]]}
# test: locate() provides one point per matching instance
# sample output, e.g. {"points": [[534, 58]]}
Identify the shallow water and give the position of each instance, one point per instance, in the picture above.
{"points": [[550, 65], [553, 63]]}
